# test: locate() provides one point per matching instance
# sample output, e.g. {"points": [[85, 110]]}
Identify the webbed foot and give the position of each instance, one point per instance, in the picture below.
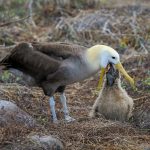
{"points": [[69, 119]]}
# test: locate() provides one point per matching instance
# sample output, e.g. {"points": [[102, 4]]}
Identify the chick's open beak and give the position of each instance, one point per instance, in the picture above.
{"points": [[122, 70]]}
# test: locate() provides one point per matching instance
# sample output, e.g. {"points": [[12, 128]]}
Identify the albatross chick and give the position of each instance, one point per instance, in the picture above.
{"points": [[113, 101]]}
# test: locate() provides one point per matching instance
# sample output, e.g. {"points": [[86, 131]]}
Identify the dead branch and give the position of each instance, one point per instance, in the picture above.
{"points": [[11, 22], [142, 45], [31, 21], [105, 27], [134, 23]]}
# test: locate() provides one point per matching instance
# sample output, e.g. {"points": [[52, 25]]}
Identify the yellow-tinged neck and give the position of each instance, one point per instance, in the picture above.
{"points": [[93, 56]]}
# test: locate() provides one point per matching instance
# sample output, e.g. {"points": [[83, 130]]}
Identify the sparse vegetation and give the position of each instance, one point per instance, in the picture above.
{"points": [[124, 25], [147, 81]]}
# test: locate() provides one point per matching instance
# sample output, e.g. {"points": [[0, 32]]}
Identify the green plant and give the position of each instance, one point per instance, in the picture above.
{"points": [[5, 76], [147, 81]]}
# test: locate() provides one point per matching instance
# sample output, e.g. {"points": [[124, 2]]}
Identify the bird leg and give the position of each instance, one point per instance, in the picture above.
{"points": [[52, 107], [65, 109]]}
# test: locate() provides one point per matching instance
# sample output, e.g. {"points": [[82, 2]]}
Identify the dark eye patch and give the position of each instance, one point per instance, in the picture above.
{"points": [[113, 57]]}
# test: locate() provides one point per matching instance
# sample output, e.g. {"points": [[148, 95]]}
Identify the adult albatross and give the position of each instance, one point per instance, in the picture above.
{"points": [[55, 65]]}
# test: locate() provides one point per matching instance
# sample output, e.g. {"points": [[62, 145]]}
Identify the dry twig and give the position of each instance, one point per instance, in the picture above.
{"points": [[11, 22]]}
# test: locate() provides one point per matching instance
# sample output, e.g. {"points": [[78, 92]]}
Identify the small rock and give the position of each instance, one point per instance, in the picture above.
{"points": [[142, 118], [141, 114], [145, 146], [16, 76], [22, 78], [46, 142], [11, 114]]}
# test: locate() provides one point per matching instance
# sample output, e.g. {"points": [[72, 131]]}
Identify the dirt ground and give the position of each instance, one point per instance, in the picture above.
{"points": [[124, 27]]}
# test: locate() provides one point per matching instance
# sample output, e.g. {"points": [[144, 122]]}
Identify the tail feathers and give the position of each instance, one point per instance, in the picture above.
{"points": [[6, 60], [2, 68], [4, 63]]}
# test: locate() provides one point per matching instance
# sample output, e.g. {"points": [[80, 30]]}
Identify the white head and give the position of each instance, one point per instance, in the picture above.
{"points": [[104, 55], [108, 55]]}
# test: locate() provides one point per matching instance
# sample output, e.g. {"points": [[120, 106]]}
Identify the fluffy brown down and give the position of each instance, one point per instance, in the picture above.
{"points": [[113, 103]]}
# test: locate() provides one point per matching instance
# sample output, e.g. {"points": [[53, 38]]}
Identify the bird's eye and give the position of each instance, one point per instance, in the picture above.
{"points": [[113, 57]]}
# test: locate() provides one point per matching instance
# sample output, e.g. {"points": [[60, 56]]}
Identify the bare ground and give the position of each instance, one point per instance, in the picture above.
{"points": [[86, 133]]}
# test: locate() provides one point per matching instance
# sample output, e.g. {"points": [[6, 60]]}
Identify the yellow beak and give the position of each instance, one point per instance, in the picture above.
{"points": [[122, 70], [100, 82]]}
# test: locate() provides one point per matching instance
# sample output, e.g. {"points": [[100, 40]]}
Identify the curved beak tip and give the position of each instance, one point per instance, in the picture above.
{"points": [[123, 71]]}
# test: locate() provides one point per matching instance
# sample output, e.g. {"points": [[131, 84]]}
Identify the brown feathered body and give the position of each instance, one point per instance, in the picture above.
{"points": [[113, 101], [52, 65]]}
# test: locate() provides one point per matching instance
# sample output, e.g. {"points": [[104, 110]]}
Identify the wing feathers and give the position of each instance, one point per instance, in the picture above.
{"points": [[64, 50], [25, 58], [41, 59]]}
